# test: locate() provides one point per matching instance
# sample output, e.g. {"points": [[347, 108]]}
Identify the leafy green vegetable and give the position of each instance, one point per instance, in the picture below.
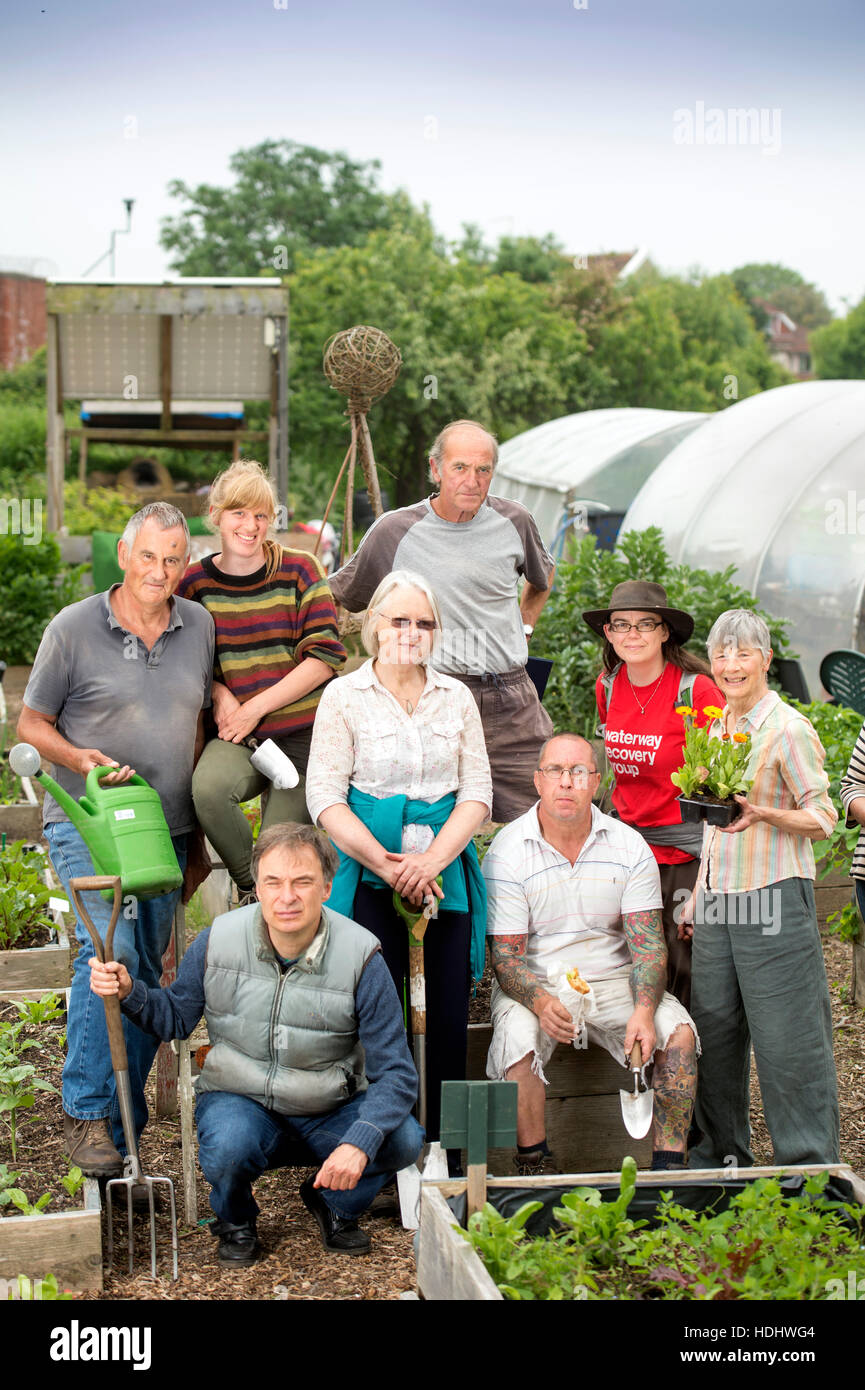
{"points": [[768, 1244]]}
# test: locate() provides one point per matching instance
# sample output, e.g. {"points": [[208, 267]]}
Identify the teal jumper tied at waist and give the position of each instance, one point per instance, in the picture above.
{"points": [[385, 817]]}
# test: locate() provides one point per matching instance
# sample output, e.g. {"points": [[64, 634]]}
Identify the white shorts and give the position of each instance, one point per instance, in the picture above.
{"points": [[517, 1032]]}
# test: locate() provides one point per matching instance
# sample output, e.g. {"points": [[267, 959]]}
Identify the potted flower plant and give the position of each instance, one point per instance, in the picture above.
{"points": [[714, 771]]}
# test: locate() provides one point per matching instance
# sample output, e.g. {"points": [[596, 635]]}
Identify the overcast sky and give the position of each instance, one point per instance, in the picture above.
{"points": [[607, 125]]}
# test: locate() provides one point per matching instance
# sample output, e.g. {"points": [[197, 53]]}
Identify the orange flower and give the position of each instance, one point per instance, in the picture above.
{"points": [[725, 738], [713, 711], [740, 738], [685, 709]]}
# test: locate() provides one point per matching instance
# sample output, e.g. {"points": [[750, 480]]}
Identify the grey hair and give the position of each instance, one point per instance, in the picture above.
{"points": [[166, 517], [292, 836], [739, 627], [397, 579], [436, 453]]}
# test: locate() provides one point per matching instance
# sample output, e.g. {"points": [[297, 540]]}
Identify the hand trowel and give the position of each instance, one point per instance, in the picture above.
{"points": [[637, 1105]]}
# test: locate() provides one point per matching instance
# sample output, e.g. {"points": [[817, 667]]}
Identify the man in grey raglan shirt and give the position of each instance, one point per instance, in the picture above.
{"points": [[473, 549]]}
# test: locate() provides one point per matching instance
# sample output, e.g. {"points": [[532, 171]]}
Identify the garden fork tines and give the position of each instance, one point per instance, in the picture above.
{"points": [[132, 1174]]}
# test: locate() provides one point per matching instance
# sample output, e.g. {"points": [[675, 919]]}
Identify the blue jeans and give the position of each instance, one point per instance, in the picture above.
{"points": [[238, 1140], [142, 933]]}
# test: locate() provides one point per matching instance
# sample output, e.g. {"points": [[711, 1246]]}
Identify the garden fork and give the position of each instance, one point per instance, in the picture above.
{"points": [[132, 1174]]}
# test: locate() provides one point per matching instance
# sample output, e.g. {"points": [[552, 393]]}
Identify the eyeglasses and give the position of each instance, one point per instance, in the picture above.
{"points": [[577, 773], [403, 624], [620, 627]]}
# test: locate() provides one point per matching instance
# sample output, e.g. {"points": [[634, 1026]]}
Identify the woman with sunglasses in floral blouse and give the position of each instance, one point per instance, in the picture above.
{"points": [[399, 779], [646, 676]]}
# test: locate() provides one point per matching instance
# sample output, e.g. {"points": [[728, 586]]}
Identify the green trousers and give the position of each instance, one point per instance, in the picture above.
{"points": [[758, 978], [223, 778]]}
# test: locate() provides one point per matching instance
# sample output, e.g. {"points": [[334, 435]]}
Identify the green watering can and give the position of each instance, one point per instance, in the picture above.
{"points": [[123, 827]]}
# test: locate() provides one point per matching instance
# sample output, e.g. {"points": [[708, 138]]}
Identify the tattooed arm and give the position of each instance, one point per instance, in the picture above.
{"points": [[645, 937], [518, 982]]}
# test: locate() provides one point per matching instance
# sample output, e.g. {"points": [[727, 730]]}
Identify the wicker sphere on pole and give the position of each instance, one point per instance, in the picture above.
{"points": [[363, 364]]}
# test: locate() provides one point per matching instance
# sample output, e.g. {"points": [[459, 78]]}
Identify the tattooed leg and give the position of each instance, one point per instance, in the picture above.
{"points": [[531, 1126], [675, 1083]]}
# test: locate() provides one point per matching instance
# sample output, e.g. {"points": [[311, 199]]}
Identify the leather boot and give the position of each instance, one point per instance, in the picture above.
{"points": [[90, 1146]]}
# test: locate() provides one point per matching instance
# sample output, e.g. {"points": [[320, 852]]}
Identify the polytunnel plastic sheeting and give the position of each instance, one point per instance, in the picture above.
{"points": [[604, 455], [758, 488]]}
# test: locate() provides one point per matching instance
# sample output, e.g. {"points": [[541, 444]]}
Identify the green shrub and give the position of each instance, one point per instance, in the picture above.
{"points": [[34, 585], [22, 439], [587, 582], [837, 729], [86, 510], [26, 382]]}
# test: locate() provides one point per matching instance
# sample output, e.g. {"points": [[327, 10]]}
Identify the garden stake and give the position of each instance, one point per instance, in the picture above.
{"points": [[132, 1174], [434, 1162]]}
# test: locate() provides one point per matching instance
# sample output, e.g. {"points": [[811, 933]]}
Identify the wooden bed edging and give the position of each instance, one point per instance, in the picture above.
{"points": [[67, 1244]]}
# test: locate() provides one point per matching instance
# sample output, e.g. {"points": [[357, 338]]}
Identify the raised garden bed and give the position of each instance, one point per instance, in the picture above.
{"points": [[21, 819], [67, 1244], [449, 1269], [31, 971]]}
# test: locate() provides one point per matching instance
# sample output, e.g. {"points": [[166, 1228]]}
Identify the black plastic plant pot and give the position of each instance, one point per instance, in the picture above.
{"points": [[713, 812]]}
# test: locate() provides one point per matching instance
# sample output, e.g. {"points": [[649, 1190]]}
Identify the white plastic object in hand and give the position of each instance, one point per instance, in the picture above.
{"points": [[579, 1006], [271, 762]]}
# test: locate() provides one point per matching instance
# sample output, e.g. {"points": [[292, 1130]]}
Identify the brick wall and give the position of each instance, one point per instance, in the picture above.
{"points": [[22, 318]]}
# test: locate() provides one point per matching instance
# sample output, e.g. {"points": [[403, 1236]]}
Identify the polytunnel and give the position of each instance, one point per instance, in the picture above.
{"points": [[597, 456], [775, 485]]}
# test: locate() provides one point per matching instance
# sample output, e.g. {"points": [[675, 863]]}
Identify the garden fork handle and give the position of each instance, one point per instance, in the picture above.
{"points": [[94, 883]]}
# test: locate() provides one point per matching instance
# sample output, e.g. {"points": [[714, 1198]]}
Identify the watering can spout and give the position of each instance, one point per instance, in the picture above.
{"points": [[24, 761]]}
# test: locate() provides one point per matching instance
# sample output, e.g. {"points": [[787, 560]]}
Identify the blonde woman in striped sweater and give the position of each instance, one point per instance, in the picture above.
{"points": [[276, 647]]}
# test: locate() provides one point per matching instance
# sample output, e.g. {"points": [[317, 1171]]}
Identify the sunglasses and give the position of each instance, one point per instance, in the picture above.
{"points": [[403, 624]]}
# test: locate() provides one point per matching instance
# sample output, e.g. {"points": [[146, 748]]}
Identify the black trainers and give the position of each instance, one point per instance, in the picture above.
{"points": [[535, 1164], [343, 1237], [238, 1245]]}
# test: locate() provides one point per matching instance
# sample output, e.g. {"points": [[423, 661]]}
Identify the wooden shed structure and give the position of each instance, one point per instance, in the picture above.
{"points": [[173, 342]]}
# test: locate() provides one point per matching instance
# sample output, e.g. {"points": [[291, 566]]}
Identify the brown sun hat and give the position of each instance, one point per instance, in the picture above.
{"points": [[639, 596]]}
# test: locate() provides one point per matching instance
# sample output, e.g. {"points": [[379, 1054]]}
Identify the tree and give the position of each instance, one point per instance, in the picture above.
{"points": [[476, 344], [839, 347], [678, 344], [286, 198], [784, 289]]}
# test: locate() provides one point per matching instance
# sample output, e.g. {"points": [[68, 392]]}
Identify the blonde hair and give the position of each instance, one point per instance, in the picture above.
{"points": [[397, 579], [245, 484]]}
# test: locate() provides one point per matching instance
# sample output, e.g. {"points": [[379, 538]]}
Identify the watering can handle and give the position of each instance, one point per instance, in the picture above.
{"points": [[96, 774], [94, 884]]}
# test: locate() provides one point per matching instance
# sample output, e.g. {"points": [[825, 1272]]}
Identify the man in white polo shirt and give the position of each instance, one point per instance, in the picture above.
{"points": [[569, 887]]}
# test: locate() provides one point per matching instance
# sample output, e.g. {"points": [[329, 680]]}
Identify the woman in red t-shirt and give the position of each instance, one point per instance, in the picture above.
{"points": [[646, 675]]}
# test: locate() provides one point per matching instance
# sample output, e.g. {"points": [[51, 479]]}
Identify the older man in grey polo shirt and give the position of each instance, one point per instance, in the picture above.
{"points": [[568, 886], [120, 680]]}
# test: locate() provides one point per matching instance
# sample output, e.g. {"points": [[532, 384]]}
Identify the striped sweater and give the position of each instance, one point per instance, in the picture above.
{"points": [[264, 629], [853, 786]]}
